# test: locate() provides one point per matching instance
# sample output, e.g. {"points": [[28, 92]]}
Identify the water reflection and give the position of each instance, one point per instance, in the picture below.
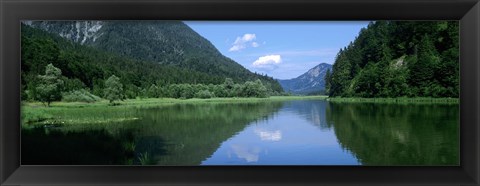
{"points": [[398, 134], [307, 132], [266, 135], [296, 135], [311, 110], [317, 132], [249, 154], [183, 134]]}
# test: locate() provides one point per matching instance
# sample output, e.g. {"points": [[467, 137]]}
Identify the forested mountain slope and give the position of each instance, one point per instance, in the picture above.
{"points": [[164, 42], [87, 67], [399, 58], [89, 52]]}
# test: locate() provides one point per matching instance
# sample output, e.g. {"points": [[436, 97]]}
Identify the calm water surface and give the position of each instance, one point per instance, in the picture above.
{"points": [[301, 132]]}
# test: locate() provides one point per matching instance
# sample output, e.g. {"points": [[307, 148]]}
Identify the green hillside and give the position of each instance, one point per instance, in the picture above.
{"points": [[167, 42], [85, 66], [399, 59]]}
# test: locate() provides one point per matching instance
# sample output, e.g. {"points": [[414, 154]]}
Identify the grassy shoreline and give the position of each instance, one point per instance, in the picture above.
{"points": [[167, 101], [64, 113], [395, 100]]}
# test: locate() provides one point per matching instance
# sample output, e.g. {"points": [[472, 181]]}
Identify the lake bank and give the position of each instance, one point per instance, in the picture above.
{"points": [[161, 101], [61, 113], [64, 113], [395, 100]]}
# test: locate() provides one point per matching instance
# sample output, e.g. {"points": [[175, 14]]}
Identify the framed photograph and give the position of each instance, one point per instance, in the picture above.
{"points": [[239, 92]]}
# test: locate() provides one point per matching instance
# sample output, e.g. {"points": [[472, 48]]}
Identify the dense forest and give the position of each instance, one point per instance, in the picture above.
{"points": [[85, 69], [399, 59]]}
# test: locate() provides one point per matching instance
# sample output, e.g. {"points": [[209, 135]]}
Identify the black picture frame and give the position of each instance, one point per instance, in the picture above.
{"points": [[13, 11]]}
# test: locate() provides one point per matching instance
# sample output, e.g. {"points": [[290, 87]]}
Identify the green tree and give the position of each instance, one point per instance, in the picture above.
{"points": [[113, 89], [187, 91], [366, 84], [221, 91], [237, 90], [327, 79], [341, 78], [228, 85], [261, 90], [399, 58], [204, 94], [254, 89], [50, 85], [422, 72], [73, 84], [131, 91], [153, 91]]}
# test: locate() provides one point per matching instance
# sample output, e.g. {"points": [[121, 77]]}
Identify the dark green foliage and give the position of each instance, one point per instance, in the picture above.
{"points": [[73, 84], [228, 84], [153, 91], [187, 91], [254, 89], [327, 77], [399, 59], [113, 89], [50, 85], [204, 94], [341, 77]]}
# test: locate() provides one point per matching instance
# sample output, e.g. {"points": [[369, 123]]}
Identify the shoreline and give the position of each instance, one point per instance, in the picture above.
{"points": [[102, 112], [394, 100], [168, 101]]}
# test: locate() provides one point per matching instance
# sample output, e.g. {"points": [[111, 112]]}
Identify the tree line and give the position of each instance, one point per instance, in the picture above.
{"points": [[51, 87], [398, 59]]}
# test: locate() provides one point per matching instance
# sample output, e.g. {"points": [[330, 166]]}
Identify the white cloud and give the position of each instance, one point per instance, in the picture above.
{"points": [[267, 60], [236, 48], [267, 63], [242, 42], [248, 37]]}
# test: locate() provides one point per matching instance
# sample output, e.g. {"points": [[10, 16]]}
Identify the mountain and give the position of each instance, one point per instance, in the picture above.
{"points": [[309, 82], [399, 59], [164, 44]]}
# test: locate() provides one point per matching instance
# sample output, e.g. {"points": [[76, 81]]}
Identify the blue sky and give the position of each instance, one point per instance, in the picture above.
{"points": [[283, 50]]}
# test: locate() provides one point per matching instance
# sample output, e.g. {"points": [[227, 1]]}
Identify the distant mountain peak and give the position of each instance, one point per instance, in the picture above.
{"points": [[317, 70], [310, 81]]}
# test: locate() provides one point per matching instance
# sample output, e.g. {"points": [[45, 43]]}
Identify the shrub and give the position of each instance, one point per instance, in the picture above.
{"points": [[81, 95], [204, 94]]}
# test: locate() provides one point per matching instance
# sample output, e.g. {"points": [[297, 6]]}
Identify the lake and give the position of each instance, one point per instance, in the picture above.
{"points": [[295, 132]]}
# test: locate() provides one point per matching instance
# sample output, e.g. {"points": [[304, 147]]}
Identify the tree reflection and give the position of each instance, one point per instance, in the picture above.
{"points": [[397, 134]]}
